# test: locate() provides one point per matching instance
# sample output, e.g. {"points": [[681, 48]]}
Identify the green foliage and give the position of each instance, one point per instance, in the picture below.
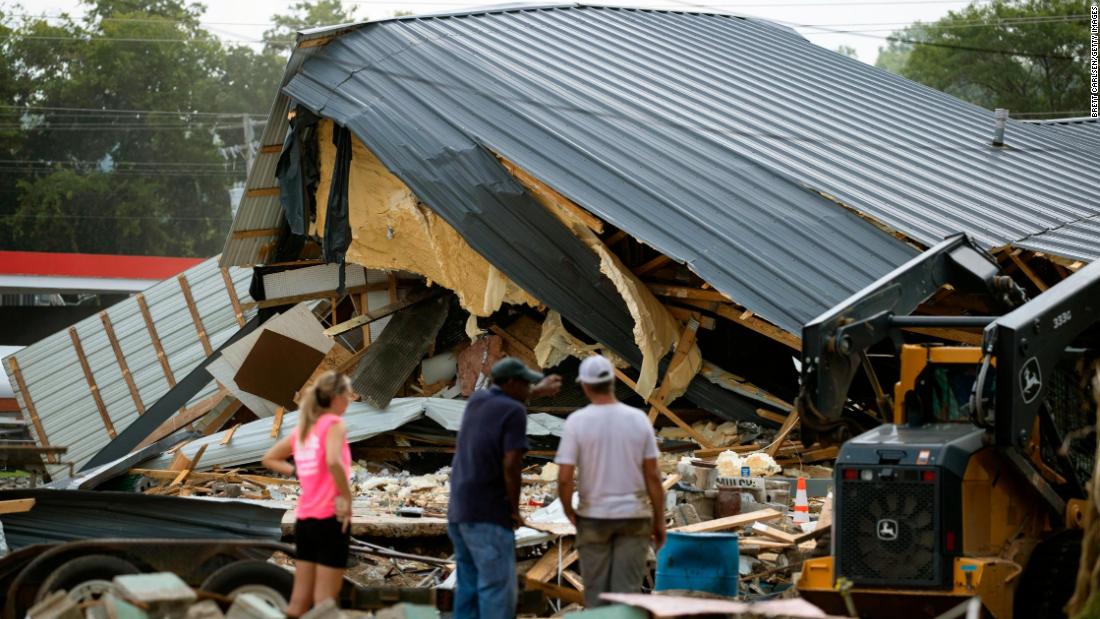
{"points": [[896, 53], [985, 54], [306, 15], [847, 50], [76, 177]]}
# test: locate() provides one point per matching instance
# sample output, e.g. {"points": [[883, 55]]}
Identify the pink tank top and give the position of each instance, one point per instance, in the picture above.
{"points": [[318, 496]]}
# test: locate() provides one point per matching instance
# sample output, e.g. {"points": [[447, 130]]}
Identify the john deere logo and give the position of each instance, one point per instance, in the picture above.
{"points": [[887, 529], [1031, 380]]}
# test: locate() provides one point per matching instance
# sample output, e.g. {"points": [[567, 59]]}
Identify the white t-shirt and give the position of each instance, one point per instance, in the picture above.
{"points": [[607, 443]]}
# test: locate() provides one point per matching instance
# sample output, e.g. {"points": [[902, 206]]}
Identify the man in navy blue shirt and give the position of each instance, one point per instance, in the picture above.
{"points": [[485, 486]]}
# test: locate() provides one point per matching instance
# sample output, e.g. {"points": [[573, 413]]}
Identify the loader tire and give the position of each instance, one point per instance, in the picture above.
{"points": [[85, 578], [267, 580], [1049, 578]]}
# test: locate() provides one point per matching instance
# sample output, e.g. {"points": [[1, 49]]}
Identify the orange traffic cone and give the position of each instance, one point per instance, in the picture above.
{"points": [[801, 503]]}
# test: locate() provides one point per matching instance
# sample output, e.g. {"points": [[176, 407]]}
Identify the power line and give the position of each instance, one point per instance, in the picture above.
{"points": [[36, 108], [114, 217]]}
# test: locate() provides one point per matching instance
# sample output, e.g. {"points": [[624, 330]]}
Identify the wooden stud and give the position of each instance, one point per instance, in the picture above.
{"points": [[565, 594], [91, 383], [781, 437], [687, 292], [615, 238], [574, 579], [186, 417], [121, 359], [652, 265], [277, 423], [731, 522], [190, 467], [152, 329], [215, 424], [364, 308], [231, 290], [202, 477], [253, 234], [730, 312], [269, 149], [1026, 270], [686, 427], [261, 192], [381, 312], [779, 418], [686, 341], [392, 281], [229, 435], [16, 506], [547, 566], [186, 289], [684, 314], [13, 364]]}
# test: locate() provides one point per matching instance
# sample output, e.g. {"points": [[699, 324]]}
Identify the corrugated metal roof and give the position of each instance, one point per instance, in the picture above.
{"points": [[653, 120], [56, 383], [693, 90], [533, 86], [1084, 131], [253, 439], [71, 515]]}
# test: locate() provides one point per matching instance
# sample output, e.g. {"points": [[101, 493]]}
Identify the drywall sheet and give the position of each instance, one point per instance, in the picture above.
{"points": [[297, 323], [276, 367]]}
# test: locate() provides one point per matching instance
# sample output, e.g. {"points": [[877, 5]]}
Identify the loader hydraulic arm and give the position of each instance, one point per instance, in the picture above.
{"points": [[834, 344]]}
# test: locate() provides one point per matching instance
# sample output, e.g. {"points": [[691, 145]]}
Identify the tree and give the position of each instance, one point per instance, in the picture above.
{"points": [[848, 51], [896, 53], [1030, 56], [112, 126], [305, 15]]}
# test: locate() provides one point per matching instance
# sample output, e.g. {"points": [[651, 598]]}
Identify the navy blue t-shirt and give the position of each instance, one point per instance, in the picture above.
{"points": [[493, 424]]}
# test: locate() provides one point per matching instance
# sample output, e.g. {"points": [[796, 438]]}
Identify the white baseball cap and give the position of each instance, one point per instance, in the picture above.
{"points": [[595, 369]]}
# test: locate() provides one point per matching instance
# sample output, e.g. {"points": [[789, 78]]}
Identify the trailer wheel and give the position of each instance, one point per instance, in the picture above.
{"points": [[270, 582], [86, 578]]}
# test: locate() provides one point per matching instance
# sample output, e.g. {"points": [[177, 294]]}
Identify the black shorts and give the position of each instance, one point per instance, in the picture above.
{"points": [[321, 541]]}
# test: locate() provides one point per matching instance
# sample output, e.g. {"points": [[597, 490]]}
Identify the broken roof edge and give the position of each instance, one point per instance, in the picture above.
{"points": [[514, 7]]}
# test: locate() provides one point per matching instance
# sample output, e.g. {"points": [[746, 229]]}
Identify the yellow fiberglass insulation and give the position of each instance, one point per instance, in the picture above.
{"points": [[391, 230]]}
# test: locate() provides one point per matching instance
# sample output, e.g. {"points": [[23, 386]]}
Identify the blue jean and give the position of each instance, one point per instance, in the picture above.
{"points": [[485, 557]]}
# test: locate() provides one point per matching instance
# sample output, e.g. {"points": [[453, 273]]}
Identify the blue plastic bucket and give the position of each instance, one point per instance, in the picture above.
{"points": [[708, 562]]}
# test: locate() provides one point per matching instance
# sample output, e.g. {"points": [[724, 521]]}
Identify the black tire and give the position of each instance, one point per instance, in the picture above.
{"points": [[266, 579], [1049, 578], [83, 570]]}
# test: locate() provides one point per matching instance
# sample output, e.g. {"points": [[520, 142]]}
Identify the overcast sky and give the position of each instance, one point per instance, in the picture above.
{"points": [[873, 19]]}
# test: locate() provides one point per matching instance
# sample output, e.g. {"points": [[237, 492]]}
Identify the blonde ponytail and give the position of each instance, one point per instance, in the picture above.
{"points": [[317, 399]]}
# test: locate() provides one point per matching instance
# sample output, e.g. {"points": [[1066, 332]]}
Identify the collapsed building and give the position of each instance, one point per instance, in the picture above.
{"points": [[681, 191]]}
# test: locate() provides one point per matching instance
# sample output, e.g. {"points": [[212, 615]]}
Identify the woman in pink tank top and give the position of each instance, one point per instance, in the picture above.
{"points": [[322, 463]]}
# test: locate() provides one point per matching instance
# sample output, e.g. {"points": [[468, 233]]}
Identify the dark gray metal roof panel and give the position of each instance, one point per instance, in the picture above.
{"points": [[719, 88], [1082, 131], [640, 163]]}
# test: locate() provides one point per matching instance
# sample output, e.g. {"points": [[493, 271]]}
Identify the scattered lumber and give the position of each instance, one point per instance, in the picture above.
{"points": [[730, 522], [16, 506]]}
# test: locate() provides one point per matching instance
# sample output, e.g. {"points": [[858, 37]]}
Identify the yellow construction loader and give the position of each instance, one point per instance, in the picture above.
{"points": [[966, 478]]}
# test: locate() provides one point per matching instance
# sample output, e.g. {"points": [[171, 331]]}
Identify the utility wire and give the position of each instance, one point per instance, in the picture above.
{"points": [[36, 108]]}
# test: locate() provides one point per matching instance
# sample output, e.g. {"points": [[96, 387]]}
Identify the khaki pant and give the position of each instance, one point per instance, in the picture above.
{"points": [[613, 554]]}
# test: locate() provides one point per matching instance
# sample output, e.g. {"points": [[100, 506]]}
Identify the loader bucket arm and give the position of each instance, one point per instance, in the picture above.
{"points": [[834, 343]]}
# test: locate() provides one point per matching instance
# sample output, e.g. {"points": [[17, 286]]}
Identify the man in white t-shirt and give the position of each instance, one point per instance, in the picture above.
{"points": [[611, 448]]}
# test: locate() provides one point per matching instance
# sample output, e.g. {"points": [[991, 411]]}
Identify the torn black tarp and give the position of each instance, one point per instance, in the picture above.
{"points": [[404, 342], [68, 515], [337, 235], [298, 171]]}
